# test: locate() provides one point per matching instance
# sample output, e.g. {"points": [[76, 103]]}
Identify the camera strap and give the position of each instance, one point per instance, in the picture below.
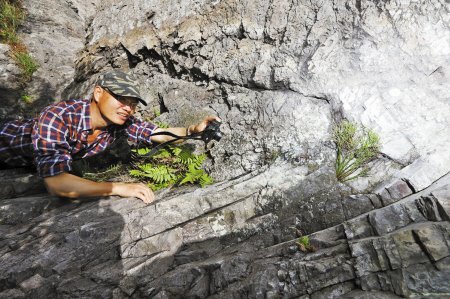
{"points": [[193, 136]]}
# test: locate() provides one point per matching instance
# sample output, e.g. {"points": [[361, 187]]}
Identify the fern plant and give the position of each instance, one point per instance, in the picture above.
{"points": [[170, 166], [355, 148]]}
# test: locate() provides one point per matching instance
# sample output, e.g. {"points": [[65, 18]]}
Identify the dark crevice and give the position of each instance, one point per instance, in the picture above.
{"points": [[428, 207], [358, 6], [393, 160], [410, 186], [149, 54], [424, 249], [319, 97], [170, 67], [224, 95], [438, 69], [372, 202], [162, 106], [372, 226], [241, 32], [440, 209], [133, 60]]}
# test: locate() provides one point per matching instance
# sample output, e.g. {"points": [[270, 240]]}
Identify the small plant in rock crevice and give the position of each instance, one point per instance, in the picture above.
{"points": [[356, 147], [304, 244], [11, 16], [27, 99]]}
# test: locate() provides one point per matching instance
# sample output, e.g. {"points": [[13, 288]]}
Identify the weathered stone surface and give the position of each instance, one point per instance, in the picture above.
{"points": [[9, 79], [359, 228], [280, 74], [54, 33], [358, 294], [443, 201], [433, 240], [20, 184], [394, 191], [355, 205]]}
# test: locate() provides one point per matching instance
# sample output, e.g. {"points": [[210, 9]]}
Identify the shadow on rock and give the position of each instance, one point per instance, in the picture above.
{"points": [[59, 248]]}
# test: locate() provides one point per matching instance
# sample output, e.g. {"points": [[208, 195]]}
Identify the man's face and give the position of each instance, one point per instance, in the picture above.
{"points": [[115, 109]]}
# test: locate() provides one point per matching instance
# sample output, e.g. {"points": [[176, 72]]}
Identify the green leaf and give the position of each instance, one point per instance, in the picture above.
{"points": [[170, 165]]}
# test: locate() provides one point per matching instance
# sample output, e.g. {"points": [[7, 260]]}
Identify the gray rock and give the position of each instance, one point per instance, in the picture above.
{"points": [[280, 74], [394, 192], [355, 205], [358, 294]]}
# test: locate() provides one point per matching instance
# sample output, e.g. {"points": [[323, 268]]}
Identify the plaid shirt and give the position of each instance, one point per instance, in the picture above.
{"points": [[59, 135]]}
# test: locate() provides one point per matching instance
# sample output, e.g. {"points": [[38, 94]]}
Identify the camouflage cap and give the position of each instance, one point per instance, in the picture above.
{"points": [[121, 84]]}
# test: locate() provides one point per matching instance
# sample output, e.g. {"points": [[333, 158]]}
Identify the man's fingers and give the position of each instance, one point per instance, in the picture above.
{"points": [[146, 195], [210, 119]]}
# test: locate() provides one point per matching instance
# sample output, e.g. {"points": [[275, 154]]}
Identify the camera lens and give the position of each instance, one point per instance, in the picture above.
{"points": [[217, 136]]}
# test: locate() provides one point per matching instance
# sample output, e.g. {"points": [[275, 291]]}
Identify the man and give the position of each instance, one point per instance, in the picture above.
{"points": [[76, 129]]}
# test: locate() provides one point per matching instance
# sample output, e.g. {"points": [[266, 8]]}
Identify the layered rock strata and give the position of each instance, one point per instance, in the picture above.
{"points": [[280, 74]]}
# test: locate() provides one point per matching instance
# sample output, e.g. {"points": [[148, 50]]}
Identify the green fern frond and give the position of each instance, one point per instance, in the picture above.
{"points": [[185, 156], [176, 150], [160, 124], [198, 161], [162, 153], [142, 151], [205, 179], [171, 165]]}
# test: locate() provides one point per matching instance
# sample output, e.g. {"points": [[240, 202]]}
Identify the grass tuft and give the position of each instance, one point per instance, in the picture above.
{"points": [[356, 147], [26, 63], [11, 16]]}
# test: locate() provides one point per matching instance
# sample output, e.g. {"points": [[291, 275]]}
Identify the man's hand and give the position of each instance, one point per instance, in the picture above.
{"points": [[69, 185], [200, 127], [140, 191], [183, 131]]}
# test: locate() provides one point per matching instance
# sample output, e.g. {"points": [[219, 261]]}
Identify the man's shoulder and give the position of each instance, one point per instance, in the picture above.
{"points": [[72, 113], [68, 106]]}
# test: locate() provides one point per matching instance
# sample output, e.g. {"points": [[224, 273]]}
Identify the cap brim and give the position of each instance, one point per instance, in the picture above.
{"points": [[142, 101]]}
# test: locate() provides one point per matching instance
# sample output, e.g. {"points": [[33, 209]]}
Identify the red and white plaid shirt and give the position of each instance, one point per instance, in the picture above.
{"points": [[59, 135]]}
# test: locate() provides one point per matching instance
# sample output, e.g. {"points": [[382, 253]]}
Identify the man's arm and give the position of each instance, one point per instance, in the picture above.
{"points": [[68, 185], [182, 131]]}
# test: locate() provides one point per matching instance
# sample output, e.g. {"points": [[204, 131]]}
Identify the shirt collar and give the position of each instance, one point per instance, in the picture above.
{"points": [[86, 115]]}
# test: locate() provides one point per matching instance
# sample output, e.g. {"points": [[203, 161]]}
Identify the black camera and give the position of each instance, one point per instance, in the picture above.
{"points": [[212, 131]]}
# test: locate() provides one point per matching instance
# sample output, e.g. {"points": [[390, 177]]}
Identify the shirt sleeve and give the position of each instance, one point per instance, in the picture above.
{"points": [[51, 146], [139, 130]]}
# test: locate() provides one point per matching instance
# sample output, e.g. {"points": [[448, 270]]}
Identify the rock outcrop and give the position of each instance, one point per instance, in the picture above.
{"points": [[280, 74]]}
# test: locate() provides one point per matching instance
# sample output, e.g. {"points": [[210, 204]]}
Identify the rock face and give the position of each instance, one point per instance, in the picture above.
{"points": [[280, 74], [54, 33]]}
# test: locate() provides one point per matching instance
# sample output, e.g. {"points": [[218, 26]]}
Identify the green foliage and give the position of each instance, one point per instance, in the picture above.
{"points": [[304, 244], [303, 240], [11, 16], [355, 148], [111, 172], [27, 99], [160, 124], [26, 63], [170, 166]]}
